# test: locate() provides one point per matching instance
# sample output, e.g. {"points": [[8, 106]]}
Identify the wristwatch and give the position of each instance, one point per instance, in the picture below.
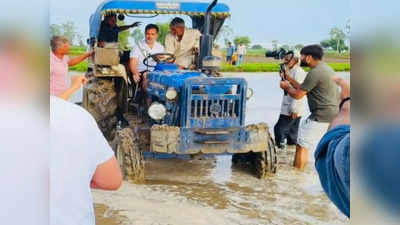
{"points": [[343, 101]]}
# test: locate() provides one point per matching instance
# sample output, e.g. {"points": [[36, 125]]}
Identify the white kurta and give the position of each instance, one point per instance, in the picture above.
{"points": [[183, 49]]}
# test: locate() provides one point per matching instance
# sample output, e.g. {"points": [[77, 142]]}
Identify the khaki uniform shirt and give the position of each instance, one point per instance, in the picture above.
{"points": [[183, 49]]}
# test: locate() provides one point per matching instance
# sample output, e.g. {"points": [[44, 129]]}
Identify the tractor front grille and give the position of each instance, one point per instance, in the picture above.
{"points": [[203, 107], [215, 103]]}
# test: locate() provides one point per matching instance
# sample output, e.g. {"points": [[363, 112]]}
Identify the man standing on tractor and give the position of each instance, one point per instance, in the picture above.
{"points": [[183, 43], [142, 50], [109, 30]]}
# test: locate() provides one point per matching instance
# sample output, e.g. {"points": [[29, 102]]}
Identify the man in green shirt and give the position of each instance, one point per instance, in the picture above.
{"points": [[323, 100]]}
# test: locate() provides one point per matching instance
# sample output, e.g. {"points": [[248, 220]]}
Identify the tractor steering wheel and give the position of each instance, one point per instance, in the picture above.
{"points": [[159, 58]]}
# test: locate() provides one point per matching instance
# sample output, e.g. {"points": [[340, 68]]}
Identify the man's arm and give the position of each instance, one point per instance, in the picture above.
{"points": [[79, 59], [133, 66], [293, 92], [343, 118], [122, 28], [197, 38], [292, 81], [76, 82], [310, 82], [107, 176], [169, 44]]}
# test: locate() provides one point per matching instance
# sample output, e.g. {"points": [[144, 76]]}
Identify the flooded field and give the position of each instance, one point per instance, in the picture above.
{"points": [[181, 191]]}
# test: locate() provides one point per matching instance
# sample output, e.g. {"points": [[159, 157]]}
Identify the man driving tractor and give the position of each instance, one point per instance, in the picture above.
{"points": [[143, 49]]}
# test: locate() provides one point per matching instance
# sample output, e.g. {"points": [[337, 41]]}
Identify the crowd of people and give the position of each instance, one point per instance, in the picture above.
{"points": [[82, 159], [235, 56]]}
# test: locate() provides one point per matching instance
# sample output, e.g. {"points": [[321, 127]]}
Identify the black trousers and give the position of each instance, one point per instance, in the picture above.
{"points": [[286, 128]]}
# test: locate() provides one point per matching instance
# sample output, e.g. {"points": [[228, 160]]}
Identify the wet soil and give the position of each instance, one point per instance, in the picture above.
{"points": [[106, 216], [182, 191], [212, 191]]}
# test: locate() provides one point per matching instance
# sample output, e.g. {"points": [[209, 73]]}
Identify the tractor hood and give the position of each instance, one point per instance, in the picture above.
{"points": [[172, 78]]}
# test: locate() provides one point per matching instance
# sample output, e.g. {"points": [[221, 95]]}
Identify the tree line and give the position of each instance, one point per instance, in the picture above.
{"points": [[337, 37]]}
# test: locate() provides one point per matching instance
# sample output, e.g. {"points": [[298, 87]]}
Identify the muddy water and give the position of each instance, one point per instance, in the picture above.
{"points": [[181, 191]]}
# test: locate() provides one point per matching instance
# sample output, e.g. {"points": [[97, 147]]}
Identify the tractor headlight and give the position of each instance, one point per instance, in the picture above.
{"points": [[249, 93], [157, 111], [171, 93]]}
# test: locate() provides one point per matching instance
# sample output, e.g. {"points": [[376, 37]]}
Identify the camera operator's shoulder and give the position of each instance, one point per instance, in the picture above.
{"points": [[59, 108]]}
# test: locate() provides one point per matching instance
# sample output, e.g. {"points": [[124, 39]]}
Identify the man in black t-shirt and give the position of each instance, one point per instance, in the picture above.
{"points": [[109, 33], [109, 30]]}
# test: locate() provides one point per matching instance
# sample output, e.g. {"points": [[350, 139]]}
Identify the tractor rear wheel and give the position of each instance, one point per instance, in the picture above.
{"points": [[100, 100]]}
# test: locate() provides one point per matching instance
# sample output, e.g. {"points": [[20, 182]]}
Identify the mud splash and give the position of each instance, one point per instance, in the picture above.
{"points": [[106, 216]]}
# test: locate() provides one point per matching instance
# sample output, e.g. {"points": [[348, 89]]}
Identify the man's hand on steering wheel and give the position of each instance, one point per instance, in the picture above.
{"points": [[159, 58]]}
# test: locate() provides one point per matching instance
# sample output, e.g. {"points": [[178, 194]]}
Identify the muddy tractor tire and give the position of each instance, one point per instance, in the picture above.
{"points": [[129, 156], [100, 99], [266, 163]]}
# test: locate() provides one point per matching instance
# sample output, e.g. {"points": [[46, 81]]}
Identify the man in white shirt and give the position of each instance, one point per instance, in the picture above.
{"points": [[143, 49], [183, 43], [80, 159], [241, 50], [291, 110]]}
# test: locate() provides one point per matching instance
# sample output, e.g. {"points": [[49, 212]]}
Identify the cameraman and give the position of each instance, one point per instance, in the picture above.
{"points": [[291, 110]]}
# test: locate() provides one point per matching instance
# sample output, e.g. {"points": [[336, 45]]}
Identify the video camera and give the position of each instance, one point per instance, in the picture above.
{"points": [[277, 54]]}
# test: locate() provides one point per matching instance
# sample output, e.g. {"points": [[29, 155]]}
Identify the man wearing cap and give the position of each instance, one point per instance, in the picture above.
{"points": [[182, 42], [291, 109]]}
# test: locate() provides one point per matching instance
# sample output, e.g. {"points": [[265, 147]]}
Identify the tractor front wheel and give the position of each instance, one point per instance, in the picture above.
{"points": [[129, 156], [264, 163]]}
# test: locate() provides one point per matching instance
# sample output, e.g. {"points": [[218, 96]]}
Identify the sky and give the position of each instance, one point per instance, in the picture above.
{"points": [[290, 22]]}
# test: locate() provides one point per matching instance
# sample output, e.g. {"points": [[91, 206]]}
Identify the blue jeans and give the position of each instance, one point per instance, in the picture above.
{"points": [[240, 60]]}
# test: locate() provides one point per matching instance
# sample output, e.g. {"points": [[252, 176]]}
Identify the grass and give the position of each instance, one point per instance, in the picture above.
{"points": [[81, 67], [247, 67], [77, 50], [328, 54], [334, 54], [274, 67]]}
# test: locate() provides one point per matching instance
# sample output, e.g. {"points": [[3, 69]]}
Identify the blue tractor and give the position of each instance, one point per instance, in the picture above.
{"points": [[192, 112]]}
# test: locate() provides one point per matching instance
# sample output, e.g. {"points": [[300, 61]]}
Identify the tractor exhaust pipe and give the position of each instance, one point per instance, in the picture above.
{"points": [[206, 41]]}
